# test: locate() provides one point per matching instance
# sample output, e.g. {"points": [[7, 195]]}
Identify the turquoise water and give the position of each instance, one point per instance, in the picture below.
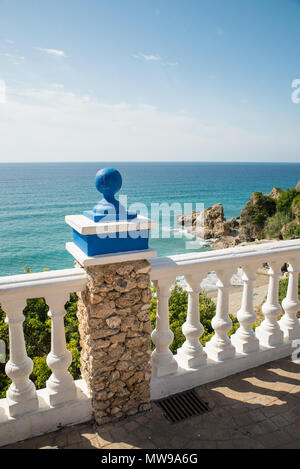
{"points": [[35, 198]]}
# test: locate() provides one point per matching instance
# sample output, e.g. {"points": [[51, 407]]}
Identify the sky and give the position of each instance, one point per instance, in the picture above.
{"points": [[149, 80]]}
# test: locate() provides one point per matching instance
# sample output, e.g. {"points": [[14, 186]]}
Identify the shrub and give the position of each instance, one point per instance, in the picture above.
{"points": [[178, 303], [263, 208], [37, 333], [296, 206], [292, 231], [284, 203], [274, 224]]}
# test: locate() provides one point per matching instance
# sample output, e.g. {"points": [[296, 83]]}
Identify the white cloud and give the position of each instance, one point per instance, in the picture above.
{"points": [[15, 59], [56, 125], [147, 58], [154, 58], [2, 92], [9, 41], [56, 52]]}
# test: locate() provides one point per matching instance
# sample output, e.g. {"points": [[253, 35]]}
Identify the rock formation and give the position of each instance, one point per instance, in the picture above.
{"points": [[275, 193], [248, 227], [248, 230], [208, 224]]}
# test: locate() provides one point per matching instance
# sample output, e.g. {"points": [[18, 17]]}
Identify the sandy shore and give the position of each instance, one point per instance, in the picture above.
{"points": [[235, 296]]}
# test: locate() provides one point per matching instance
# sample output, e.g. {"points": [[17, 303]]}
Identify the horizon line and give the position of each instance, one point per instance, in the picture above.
{"points": [[148, 162]]}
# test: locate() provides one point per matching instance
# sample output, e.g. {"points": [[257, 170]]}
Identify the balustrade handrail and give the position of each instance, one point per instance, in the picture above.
{"points": [[182, 264], [34, 285]]}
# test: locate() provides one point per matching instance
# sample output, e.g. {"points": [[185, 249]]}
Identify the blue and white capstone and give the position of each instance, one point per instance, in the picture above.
{"points": [[108, 229]]}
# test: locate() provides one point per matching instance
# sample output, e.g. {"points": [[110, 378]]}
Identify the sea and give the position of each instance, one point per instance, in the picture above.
{"points": [[35, 197]]}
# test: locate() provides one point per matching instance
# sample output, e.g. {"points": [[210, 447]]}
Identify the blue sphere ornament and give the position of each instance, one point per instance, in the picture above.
{"points": [[108, 181]]}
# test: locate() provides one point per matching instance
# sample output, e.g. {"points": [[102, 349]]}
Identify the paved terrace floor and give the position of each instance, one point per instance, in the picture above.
{"points": [[259, 408]]}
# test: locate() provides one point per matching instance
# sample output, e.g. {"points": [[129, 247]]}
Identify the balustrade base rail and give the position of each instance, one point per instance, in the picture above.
{"points": [[45, 419], [185, 378]]}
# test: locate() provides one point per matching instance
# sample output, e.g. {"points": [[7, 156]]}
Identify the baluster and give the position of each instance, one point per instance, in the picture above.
{"points": [[60, 385], [163, 362], [269, 333], [244, 339], [21, 395], [219, 348], [289, 323], [191, 354]]}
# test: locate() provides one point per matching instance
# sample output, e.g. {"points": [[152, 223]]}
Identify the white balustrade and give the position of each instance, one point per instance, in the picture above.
{"points": [[192, 366], [244, 340], [55, 287], [163, 362], [191, 354], [60, 385], [269, 333], [289, 323], [224, 355], [220, 348], [21, 395]]}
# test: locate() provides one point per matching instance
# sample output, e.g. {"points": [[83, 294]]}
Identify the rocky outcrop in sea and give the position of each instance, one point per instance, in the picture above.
{"points": [[211, 224]]}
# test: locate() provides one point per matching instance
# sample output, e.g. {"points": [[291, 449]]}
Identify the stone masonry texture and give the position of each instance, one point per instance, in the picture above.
{"points": [[115, 331]]}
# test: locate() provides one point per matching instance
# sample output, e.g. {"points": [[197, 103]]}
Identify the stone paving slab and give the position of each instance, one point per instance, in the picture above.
{"points": [[255, 409]]}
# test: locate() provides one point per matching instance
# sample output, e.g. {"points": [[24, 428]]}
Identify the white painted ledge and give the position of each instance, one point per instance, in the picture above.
{"points": [[86, 261], [86, 226], [185, 378], [46, 419]]}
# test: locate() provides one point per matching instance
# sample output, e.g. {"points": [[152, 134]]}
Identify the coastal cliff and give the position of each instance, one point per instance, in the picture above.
{"points": [[264, 217]]}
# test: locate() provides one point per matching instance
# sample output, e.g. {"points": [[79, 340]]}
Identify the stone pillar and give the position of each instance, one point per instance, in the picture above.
{"points": [[114, 325], [111, 244]]}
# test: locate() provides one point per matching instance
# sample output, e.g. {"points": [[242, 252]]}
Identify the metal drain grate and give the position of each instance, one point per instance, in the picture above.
{"points": [[182, 406]]}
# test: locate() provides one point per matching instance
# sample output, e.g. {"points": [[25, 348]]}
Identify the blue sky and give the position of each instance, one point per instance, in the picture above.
{"points": [[120, 80]]}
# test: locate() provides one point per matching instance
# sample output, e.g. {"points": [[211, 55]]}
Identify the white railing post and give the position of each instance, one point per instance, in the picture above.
{"points": [[191, 354], [162, 359], [21, 395], [289, 323], [244, 339], [60, 385], [220, 348], [269, 333]]}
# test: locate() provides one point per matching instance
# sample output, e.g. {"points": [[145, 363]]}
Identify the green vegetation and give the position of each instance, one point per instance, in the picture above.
{"points": [[283, 284], [178, 303], [276, 218], [274, 224], [263, 208], [296, 205], [284, 203], [37, 332]]}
